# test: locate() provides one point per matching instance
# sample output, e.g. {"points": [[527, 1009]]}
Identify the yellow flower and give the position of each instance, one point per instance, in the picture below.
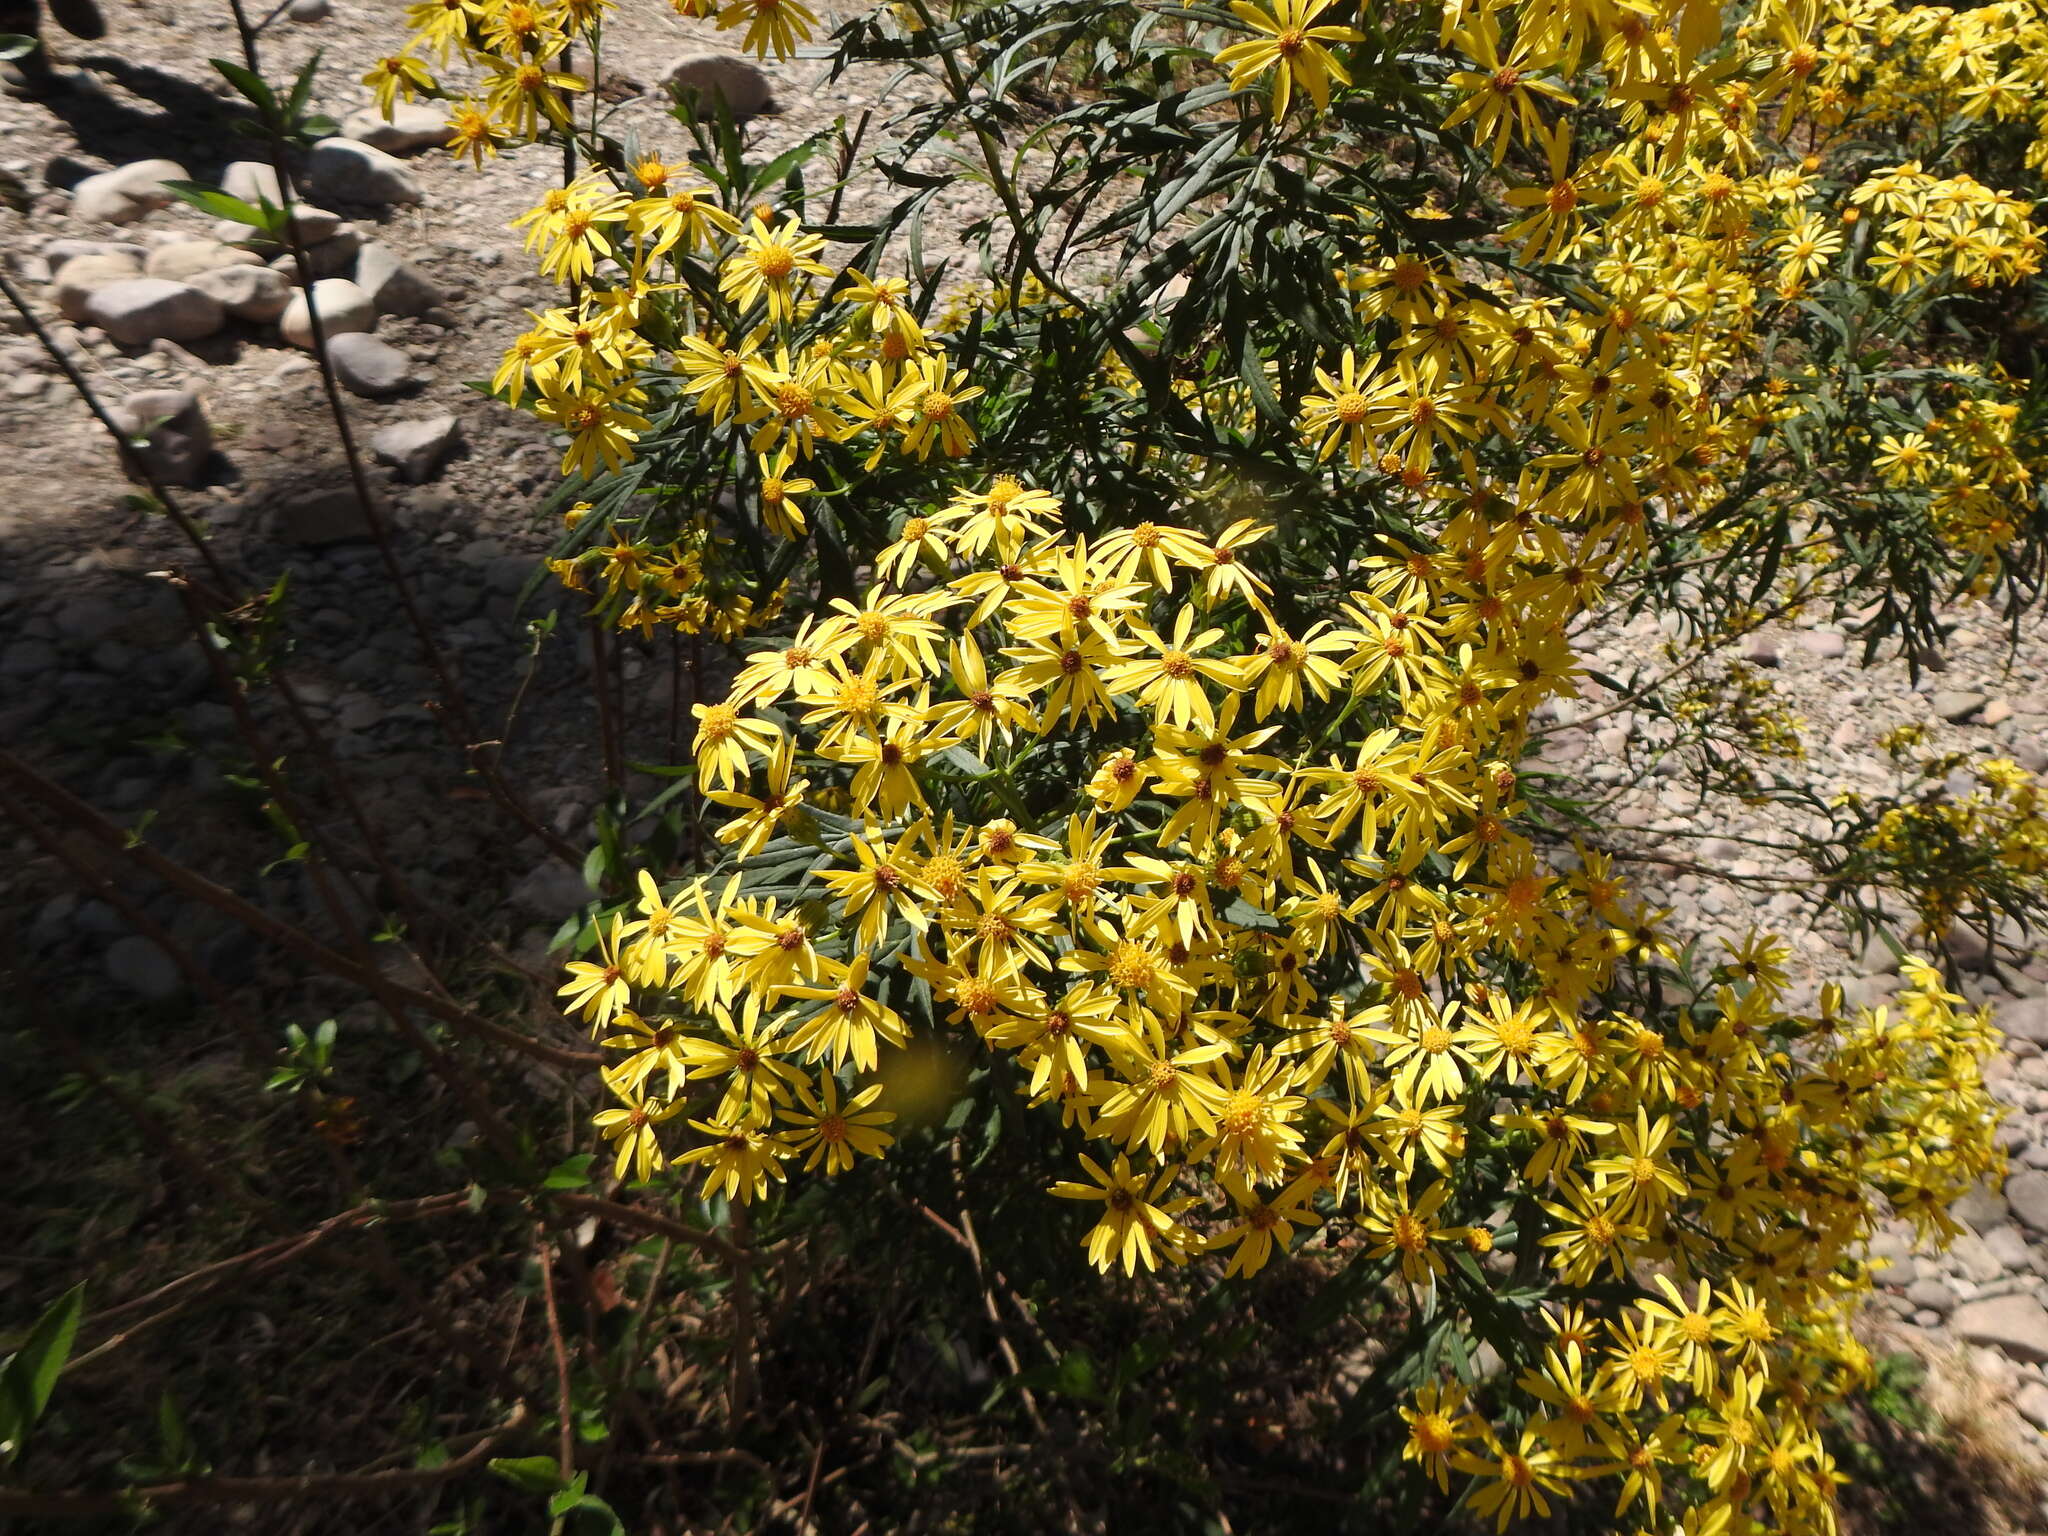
{"points": [[1293, 42]]}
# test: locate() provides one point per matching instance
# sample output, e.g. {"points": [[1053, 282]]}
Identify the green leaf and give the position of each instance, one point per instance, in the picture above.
{"points": [[570, 1173], [530, 1474], [250, 84], [31, 1372], [14, 46], [216, 202]]}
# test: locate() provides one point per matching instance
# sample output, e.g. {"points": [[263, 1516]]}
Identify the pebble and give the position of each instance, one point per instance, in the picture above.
{"points": [[1932, 1295], [1997, 712], [1825, 644], [416, 448], [333, 257], [2032, 1404], [710, 75], [126, 194], [306, 11], [2027, 1194], [145, 308], [318, 515], [368, 366], [341, 305], [345, 171]]}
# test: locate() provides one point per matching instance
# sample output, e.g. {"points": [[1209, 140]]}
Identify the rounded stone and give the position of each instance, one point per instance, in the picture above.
{"points": [[154, 309], [343, 309]]}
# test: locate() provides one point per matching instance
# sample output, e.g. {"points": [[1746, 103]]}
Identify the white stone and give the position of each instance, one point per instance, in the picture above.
{"points": [[343, 308], [248, 293], [123, 195], [83, 276], [184, 260], [252, 181], [344, 171], [710, 74], [149, 308], [368, 366], [412, 127]]}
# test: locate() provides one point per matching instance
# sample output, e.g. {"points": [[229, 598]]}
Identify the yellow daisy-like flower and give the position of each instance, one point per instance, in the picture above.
{"points": [[1295, 44]]}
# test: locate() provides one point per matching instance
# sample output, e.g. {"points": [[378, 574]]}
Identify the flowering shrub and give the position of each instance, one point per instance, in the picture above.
{"points": [[1150, 624]]}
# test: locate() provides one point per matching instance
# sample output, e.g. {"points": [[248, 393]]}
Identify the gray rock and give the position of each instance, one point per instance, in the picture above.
{"points": [[395, 287], [318, 515], [552, 890], [416, 448], [183, 260], [1956, 705], [124, 195], [2025, 1018], [1980, 1210], [708, 75], [343, 171], [83, 276], [1760, 651], [309, 10], [179, 443], [368, 366], [253, 181], [248, 293], [343, 308], [1972, 1257], [2027, 1194], [1966, 946], [146, 308], [2015, 1324], [333, 257], [141, 967], [2010, 1249], [411, 128], [1932, 1295]]}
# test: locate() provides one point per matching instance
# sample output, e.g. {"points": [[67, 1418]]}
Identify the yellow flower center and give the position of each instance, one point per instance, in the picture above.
{"points": [[775, 262]]}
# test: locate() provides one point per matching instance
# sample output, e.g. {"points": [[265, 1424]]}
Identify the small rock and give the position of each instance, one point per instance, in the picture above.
{"points": [[1932, 1295], [2009, 1247], [1760, 651], [551, 890], [411, 128], [416, 447], [122, 196], [142, 968], [247, 293], [1966, 946], [395, 287], [1956, 705], [179, 444], [1980, 1210], [145, 308], [254, 182], [309, 10], [83, 276], [348, 172], [183, 260], [342, 306], [1997, 712], [709, 75], [1824, 643], [2015, 1324], [2027, 1194], [368, 366]]}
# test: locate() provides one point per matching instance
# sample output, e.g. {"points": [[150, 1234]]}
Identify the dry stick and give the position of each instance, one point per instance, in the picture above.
{"points": [[652, 1222], [565, 1454], [201, 980], [237, 1490], [78, 813], [607, 721], [742, 1263], [130, 459]]}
